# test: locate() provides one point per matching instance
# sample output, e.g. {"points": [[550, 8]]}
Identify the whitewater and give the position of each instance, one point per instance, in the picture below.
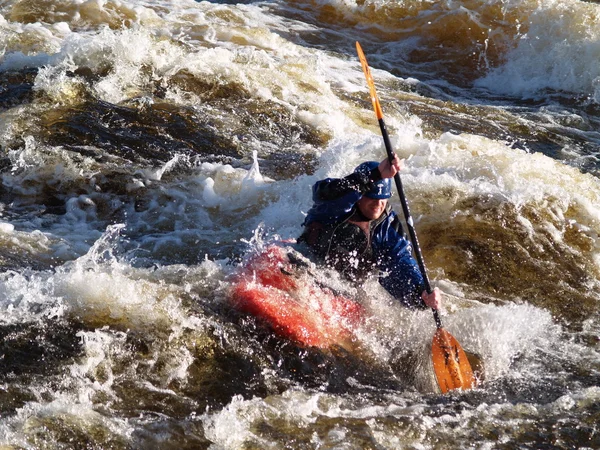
{"points": [[147, 148]]}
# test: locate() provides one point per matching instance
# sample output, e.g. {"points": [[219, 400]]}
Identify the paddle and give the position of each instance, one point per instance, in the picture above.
{"points": [[450, 363]]}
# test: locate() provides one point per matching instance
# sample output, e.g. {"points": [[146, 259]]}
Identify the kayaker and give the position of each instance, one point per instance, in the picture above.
{"points": [[352, 228]]}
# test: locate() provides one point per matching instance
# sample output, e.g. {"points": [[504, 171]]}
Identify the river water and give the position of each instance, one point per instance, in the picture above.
{"points": [[148, 146]]}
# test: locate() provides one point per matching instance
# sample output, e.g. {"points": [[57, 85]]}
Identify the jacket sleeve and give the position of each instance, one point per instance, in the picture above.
{"points": [[334, 188], [334, 198], [402, 277]]}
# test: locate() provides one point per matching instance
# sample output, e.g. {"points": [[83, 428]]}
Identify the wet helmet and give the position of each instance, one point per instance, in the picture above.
{"points": [[382, 188]]}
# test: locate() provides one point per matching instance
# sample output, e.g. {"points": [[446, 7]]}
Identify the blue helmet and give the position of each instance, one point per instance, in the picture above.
{"points": [[382, 188]]}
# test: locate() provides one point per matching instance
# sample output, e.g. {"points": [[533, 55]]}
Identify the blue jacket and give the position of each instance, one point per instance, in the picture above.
{"points": [[334, 203]]}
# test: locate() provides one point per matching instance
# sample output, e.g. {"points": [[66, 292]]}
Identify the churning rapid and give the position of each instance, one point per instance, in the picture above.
{"points": [[150, 146]]}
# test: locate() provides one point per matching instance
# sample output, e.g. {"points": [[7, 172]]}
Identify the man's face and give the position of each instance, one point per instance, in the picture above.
{"points": [[371, 208]]}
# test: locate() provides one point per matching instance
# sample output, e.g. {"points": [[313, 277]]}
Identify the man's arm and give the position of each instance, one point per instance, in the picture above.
{"points": [[334, 198], [403, 280], [334, 188]]}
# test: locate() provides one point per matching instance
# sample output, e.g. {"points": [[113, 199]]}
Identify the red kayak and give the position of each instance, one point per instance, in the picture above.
{"points": [[287, 298]]}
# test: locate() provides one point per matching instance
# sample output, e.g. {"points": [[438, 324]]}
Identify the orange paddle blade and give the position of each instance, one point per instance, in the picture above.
{"points": [[367, 72], [450, 363]]}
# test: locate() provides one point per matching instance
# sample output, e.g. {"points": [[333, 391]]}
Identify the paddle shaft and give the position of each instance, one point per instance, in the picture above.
{"points": [[390, 154], [450, 363], [409, 221]]}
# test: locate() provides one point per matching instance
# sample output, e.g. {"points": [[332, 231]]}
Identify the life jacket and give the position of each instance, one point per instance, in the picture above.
{"points": [[347, 245]]}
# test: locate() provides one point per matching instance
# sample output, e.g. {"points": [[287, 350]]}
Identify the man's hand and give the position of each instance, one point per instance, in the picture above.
{"points": [[387, 169], [433, 300]]}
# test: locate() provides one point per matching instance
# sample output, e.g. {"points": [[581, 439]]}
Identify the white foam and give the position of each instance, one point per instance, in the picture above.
{"points": [[559, 51], [6, 228], [35, 420]]}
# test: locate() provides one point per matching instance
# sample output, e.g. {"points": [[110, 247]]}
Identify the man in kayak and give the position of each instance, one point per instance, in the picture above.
{"points": [[352, 228]]}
